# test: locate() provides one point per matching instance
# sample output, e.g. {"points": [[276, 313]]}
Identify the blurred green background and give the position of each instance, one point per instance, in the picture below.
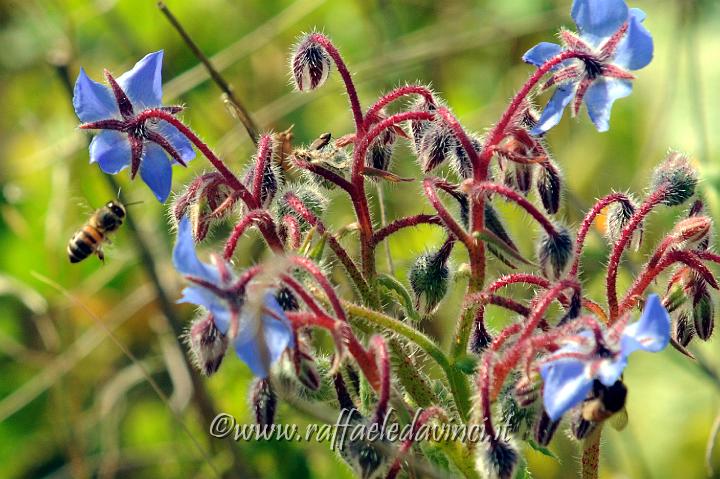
{"points": [[72, 405]]}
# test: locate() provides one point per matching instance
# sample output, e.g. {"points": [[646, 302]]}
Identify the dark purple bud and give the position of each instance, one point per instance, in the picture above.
{"points": [[263, 402], [437, 145], [549, 186], [498, 459], [554, 253], [678, 176], [207, 344], [305, 369], [310, 64], [419, 127], [461, 161], [480, 339], [524, 177], [545, 429], [618, 215], [573, 310]]}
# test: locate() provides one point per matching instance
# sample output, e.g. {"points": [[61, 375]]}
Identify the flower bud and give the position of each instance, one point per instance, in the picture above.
{"points": [[683, 329], [545, 429], [554, 253], [524, 177], [207, 344], [693, 232], [526, 391], [429, 277], [436, 146], [618, 215], [304, 363], [263, 402], [480, 338], [703, 313], [549, 186], [678, 176], [516, 419], [419, 127], [311, 197], [270, 183], [310, 64], [379, 155], [498, 459], [461, 162]]}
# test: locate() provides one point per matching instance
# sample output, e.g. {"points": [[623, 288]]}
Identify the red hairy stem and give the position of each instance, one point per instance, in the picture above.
{"points": [[219, 165], [445, 216], [587, 223], [266, 225], [316, 273], [689, 258], [484, 390], [625, 236], [396, 94], [301, 319], [326, 174], [505, 334], [498, 132], [509, 304], [264, 154], [382, 359], [297, 205], [228, 203], [247, 276], [520, 200], [462, 137], [423, 418], [407, 222], [327, 44], [293, 231], [359, 199]]}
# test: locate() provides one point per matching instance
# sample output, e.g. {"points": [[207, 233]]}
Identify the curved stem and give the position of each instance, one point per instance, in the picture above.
{"points": [[266, 225], [396, 94], [445, 216], [587, 223], [345, 74], [407, 222], [625, 236], [520, 200]]}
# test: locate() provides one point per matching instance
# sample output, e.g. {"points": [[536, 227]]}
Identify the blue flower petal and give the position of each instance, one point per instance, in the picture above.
{"points": [[553, 112], [635, 50], [275, 335], [205, 298], [111, 150], [651, 332], [565, 384], [177, 140], [598, 19], [143, 84], [185, 259], [93, 101], [600, 97], [611, 369], [541, 53], [156, 171]]}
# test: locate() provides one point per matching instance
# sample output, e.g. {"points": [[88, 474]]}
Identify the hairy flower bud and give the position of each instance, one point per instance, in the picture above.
{"points": [[554, 253], [436, 146], [703, 313], [309, 194], [429, 277], [678, 176], [207, 344], [271, 180], [310, 64], [263, 401], [549, 186], [683, 329], [693, 232], [480, 338], [618, 215], [419, 127], [498, 459], [461, 162], [545, 429]]}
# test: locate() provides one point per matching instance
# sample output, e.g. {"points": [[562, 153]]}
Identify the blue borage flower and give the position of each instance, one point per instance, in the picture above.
{"points": [[568, 374], [259, 330], [148, 146], [612, 41]]}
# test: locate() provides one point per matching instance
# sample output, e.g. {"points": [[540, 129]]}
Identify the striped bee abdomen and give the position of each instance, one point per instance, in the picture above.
{"points": [[84, 243]]}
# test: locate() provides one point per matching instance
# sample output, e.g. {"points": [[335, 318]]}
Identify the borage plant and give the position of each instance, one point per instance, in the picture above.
{"points": [[539, 369]]}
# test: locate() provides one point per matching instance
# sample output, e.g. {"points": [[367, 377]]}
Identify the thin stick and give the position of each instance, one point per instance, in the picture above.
{"points": [[383, 223], [238, 107]]}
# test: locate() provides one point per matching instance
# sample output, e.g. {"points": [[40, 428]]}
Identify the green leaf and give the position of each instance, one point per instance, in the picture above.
{"points": [[542, 450], [466, 364], [403, 296]]}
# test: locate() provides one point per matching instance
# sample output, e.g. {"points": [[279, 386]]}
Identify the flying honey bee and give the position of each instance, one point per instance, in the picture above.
{"points": [[90, 238]]}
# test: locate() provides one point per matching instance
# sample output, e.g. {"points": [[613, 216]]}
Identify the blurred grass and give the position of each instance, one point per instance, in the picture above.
{"points": [[469, 51]]}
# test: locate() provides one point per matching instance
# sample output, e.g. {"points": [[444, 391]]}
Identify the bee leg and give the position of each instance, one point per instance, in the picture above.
{"points": [[100, 255]]}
